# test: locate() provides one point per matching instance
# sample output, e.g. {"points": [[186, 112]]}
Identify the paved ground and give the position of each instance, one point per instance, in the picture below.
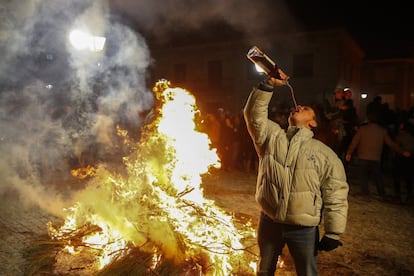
{"points": [[20, 228]]}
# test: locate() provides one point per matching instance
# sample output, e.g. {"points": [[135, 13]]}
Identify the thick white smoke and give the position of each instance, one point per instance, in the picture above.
{"points": [[56, 102], [58, 105]]}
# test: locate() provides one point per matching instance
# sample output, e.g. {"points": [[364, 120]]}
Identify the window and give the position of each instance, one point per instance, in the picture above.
{"points": [[215, 74], [303, 65]]}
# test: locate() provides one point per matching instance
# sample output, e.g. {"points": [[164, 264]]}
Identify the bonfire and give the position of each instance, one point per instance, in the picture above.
{"points": [[154, 219]]}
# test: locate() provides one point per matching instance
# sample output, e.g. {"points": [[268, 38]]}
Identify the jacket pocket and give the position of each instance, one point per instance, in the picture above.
{"points": [[304, 204], [267, 196]]}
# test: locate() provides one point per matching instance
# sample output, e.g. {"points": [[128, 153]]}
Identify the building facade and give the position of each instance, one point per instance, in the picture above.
{"points": [[392, 80], [220, 75]]}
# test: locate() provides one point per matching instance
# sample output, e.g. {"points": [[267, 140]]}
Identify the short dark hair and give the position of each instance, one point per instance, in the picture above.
{"points": [[319, 113]]}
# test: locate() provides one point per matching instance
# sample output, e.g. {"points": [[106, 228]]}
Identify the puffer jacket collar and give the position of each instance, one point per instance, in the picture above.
{"points": [[302, 132]]}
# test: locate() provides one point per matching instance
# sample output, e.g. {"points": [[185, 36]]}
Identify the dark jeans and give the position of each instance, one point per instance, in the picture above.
{"points": [[302, 243], [368, 168]]}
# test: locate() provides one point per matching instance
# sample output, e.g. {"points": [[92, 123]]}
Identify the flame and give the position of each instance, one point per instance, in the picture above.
{"points": [[83, 173], [157, 205]]}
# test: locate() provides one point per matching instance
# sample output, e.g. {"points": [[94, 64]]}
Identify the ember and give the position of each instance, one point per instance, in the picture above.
{"points": [[155, 217]]}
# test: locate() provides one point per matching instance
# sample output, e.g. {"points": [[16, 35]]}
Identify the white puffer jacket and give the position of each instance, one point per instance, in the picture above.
{"points": [[298, 176]]}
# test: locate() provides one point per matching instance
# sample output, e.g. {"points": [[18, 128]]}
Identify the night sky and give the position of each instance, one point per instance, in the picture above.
{"points": [[382, 29]]}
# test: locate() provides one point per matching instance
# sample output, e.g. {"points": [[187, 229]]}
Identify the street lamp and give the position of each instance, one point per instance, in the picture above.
{"points": [[81, 40]]}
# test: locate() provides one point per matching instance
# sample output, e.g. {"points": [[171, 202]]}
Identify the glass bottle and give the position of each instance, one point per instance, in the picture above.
{"points": [[259, 58], [268, 66]]}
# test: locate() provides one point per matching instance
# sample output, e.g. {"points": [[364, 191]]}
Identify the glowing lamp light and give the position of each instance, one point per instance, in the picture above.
{"points": [[364, 95], [83, 41]]}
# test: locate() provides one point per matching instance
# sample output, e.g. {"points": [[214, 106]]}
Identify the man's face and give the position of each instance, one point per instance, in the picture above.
{"points": [[303, 116]]}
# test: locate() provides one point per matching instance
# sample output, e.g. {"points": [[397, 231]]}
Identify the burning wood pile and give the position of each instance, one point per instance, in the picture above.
{"points": [[153, 219]]}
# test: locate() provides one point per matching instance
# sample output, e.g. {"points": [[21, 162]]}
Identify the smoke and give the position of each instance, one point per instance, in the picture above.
{"points": [[161, 18], [60, 105]]}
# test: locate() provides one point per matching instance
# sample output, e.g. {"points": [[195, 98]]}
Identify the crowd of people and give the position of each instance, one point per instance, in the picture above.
{"points": [[375, 146], [228, 134], [389, 148]]}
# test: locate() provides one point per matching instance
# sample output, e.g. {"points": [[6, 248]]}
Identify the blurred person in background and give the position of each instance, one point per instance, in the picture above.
{"points": [[404, 165], [349, 120], [369, 142]]}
